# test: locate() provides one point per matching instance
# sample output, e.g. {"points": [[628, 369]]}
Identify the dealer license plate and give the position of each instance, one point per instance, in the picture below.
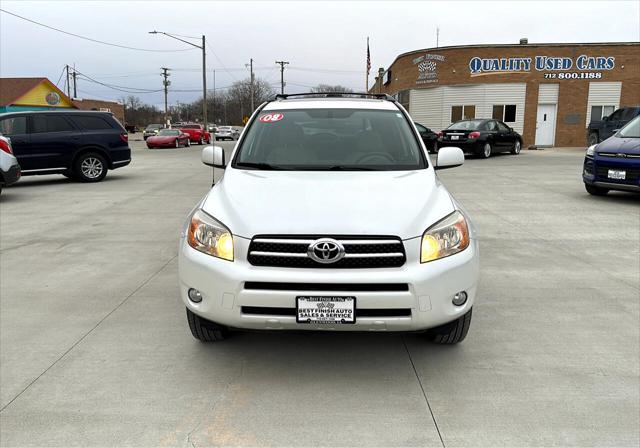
{"points": [[325, 310], [455, 137], [617, 174]]}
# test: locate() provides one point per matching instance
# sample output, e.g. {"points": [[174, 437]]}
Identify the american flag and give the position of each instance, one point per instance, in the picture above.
{"points": [[368, 58]]}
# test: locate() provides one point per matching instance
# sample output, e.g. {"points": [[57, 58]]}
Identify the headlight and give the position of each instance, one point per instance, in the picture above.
{"points": [[208, 235], [446, 237], [590, 150]]}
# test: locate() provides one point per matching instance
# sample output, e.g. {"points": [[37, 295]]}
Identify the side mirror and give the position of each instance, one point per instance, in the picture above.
{"points": [[214, 156], [605, 118], [449, 157]]}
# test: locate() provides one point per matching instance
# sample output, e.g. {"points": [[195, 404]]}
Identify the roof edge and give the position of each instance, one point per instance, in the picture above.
{"points": [[529, 45]]}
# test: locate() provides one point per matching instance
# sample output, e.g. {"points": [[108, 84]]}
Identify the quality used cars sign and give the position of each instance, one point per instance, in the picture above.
{"points": [[482, 66]]}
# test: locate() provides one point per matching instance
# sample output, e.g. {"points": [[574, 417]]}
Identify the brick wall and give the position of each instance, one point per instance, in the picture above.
{"points": [[572, 95]]}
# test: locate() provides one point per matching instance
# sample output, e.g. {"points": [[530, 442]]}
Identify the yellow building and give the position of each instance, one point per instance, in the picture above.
{"points": [[17, 94]]}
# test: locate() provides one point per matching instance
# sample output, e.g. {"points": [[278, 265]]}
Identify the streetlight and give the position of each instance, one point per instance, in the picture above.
{"points": [[204, 70]]}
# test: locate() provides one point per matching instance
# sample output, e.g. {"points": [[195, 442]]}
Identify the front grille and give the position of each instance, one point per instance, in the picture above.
{"points": [[351, 287], [359, 252], [360, 312], [632, 174]]}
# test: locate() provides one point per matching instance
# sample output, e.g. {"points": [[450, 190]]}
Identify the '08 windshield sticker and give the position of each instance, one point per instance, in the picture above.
{"points": [[271, 118]]}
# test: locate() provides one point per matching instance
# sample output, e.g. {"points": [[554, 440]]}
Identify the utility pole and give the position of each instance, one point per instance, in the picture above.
{"points": [[251, 69], [68, 81], [166, 83], [204, 68], [204, 84], [213, 112], [437, 37], [282, 64], [75, 92]]}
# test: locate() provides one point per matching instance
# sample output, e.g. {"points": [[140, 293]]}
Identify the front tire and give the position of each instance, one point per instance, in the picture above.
{"points": [[201, 141], [595, 191], [204, 330], [90, 167], [187, 143], [177, 143], [517, 146], [452, 332], [593, 138]]}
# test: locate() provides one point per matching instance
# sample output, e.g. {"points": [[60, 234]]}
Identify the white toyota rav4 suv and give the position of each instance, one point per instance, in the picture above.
{"points": [[329, 216]]}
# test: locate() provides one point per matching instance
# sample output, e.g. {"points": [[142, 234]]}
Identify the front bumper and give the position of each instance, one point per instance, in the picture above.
{"points": [[11, 176], [594, 173], [431, 287]]}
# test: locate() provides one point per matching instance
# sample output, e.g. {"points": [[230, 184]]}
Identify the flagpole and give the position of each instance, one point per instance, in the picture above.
{"points": [[366, 69]]}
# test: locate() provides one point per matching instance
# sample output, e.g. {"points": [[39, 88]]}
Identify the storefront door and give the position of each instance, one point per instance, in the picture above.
{"points": [[546, 125]]}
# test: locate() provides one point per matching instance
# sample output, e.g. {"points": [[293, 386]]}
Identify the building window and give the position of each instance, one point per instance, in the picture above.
{"points": [[462, 112], [504, 112], [599, 112], [403, 98]]}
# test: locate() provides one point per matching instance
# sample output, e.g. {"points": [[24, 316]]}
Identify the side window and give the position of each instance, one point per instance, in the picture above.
{"points": [[502, 127], [91, 123], [421, 129], [50, 123], [491, 126], [13, 126]]}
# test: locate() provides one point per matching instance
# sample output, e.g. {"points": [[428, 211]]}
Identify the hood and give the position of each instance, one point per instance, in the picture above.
{"points": [[162, 138], [620, 145], [394, 203]]}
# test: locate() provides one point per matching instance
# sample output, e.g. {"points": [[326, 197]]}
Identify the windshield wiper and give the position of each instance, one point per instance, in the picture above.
{"points": [[348, 168], [259, 166]]}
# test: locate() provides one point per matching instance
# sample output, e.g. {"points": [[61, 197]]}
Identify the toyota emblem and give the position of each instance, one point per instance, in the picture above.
{"points": [[325, 251]]}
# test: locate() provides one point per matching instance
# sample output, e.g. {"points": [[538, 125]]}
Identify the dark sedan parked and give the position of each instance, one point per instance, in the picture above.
{"points": [[481, 137], [614, 164], [429, 137]]}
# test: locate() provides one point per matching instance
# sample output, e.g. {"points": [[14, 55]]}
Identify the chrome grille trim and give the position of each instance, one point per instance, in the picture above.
{"points": [[358, 252]]}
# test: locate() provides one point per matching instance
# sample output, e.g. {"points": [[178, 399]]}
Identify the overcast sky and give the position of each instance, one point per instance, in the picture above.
{"points": [[325, 42]]}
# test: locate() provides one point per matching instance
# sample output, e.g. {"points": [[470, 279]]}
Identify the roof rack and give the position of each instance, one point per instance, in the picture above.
{"points": [[380, 96]]}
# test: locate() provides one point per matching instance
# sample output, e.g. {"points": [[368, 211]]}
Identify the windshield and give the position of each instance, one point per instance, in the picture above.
{"points": [[467, 125], [224, 128], [631, 130], [190, 126], [330, 139], [154, 126], [169, 132]]}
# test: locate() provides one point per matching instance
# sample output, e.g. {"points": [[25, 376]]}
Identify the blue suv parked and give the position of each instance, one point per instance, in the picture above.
{"points": [[81, 145], [614, 164]]}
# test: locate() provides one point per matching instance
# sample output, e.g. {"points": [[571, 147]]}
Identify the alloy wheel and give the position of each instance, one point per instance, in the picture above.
{"points": [[92, 167]]}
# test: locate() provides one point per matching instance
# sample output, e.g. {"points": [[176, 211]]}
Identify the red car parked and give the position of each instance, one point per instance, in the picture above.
{"points": [[169, 138], [197, 133]]}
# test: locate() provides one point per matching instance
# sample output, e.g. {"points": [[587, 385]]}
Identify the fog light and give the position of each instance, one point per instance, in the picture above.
{"points": [[194, 295], [460, 298]]}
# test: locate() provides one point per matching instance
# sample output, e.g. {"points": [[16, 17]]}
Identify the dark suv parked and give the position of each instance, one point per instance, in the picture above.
{"points": [[79, 144], [600, 130]]}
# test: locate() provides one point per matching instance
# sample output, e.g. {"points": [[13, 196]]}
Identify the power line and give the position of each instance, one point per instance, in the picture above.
{"points": [[221, 64], [60, 77], [90, 39], [117, 87]]}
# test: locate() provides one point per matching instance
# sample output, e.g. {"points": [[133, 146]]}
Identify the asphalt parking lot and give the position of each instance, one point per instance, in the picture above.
{"points": [[95, 348]]}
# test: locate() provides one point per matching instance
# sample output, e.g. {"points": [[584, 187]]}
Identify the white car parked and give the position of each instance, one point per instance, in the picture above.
{"points": [[9, 167], [329, 216]]}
